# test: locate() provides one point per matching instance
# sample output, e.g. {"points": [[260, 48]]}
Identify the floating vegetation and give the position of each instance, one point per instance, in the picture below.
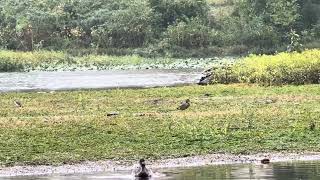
{"points": [[58, 61]]}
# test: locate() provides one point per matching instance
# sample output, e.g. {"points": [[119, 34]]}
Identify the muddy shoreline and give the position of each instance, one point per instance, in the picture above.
{"points": [[195, 161]]}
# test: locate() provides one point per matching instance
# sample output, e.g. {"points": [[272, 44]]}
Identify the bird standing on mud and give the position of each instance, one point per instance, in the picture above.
{"points": [[142, 172], [184, 105]]}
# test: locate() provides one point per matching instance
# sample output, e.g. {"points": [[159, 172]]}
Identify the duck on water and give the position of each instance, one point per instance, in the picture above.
{"points": [[142, 172]]}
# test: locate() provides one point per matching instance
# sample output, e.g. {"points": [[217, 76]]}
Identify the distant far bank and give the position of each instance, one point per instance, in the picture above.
{"points": [[18, 61]]}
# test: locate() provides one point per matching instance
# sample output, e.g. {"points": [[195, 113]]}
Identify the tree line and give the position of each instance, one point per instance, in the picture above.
{"points": [[161, 27]]}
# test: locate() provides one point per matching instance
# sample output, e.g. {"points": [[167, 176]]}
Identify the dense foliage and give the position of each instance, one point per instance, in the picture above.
{"points": [[162, 27], [283, 68]]}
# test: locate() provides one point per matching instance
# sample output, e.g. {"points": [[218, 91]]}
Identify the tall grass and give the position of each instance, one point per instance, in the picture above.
{"points": [[283, 68], [13, 61], [53, 60], [20, 61]]}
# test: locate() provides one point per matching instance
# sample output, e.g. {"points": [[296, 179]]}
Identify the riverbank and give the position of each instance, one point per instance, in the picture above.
{"points": [[15, 61], [127, 166], [74, 126]]}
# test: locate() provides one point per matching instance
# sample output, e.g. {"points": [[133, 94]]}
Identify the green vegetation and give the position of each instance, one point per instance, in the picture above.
{"points": [[283, 68], [69, 127], [53, 61], [176, 28]]}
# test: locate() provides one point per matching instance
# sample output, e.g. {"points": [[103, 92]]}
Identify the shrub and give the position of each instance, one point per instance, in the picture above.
{"points": [[316, 30], [11, 61], [19, 61], [8, 66], [310, 13], [193, 34], [283, 68], [127, 27], [167, 13], [252, 32]]}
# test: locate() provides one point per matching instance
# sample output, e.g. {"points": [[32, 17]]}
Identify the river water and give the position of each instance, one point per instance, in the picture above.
{"points": [[68, 80], [276, 171]]}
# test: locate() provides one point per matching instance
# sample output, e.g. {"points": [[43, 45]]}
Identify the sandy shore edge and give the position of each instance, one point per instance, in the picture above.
{"points": [[194, 161]]}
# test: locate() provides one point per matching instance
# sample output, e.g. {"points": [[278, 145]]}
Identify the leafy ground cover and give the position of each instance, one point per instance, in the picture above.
{"points": [[70, 127]]}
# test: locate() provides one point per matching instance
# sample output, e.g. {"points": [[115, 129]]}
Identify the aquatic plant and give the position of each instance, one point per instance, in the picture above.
{"points": [[53, 61]]}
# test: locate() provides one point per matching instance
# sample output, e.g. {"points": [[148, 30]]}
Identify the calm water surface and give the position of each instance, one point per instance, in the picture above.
{"points": [[276, 171], [68, 80]]}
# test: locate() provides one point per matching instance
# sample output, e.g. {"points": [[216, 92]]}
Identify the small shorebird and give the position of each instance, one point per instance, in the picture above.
{"points": [[142, 171], [184, 105], [17, 103]]}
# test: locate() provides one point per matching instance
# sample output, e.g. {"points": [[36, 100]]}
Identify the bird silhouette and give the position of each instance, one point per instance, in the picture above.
{"points": [[17, 103], [142, 172], [184, 105], [265, 161], [113, 114]]}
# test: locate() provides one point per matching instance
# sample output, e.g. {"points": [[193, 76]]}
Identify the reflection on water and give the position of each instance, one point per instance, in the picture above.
{"points": [[32, 81], [114, 176], [276, 171]]}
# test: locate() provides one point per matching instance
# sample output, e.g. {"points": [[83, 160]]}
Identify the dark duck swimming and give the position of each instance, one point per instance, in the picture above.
{"points": [[142, 171]]}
